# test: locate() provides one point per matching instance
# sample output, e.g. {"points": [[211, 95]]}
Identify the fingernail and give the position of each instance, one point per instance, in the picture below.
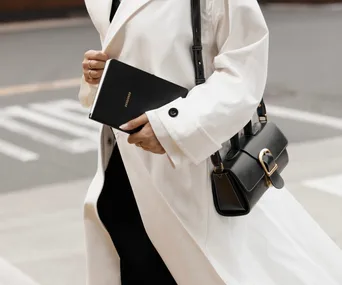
{"points": [[124, 127]]}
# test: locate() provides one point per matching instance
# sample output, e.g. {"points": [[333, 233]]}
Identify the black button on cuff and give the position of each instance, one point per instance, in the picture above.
{"points": [[173, 112]]}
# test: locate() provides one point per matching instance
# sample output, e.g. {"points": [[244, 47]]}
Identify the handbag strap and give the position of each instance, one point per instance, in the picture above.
{"points": [[200, 78], [197, 41]]}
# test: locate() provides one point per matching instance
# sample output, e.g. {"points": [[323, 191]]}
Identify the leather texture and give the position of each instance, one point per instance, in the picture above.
{"points": [[247, 179], [256, 158]]}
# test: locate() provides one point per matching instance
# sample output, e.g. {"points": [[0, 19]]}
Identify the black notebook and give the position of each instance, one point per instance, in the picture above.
{"points": [[126, 92]]}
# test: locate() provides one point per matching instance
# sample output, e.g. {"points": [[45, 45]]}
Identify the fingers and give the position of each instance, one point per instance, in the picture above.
{"points": [[154, 148], [157, 150], [136, 138], [133, 124], [91, 80], [144, 136], [147, 140], [92, 76], [93, 65], [143, 147], [95, 55]]}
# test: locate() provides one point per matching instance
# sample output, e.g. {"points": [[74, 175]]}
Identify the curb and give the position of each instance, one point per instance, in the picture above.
{"points": [[22, 26], [32, 15]]}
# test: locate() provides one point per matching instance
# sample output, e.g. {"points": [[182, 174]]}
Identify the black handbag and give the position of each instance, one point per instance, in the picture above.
{"points": [[257, 155]]}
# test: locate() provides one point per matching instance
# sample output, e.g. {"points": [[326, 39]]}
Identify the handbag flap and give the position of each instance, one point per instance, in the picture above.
{"points": [[269, 136], [245, 165]]}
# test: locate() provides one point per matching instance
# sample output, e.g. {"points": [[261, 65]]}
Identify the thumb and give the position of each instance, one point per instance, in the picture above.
{"points": [[133, 124]]}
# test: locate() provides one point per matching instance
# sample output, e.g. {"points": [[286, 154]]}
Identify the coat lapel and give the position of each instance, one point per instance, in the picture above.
{"points": [[125, 11], [99, 11]]}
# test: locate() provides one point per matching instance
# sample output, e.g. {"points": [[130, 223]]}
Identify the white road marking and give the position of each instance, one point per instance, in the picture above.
{"points": [[39, 87], [303, 116], [71, 105], [56, 110], [66, 116], [21, 112], [329, 184], [16, 152], [38, 135]]}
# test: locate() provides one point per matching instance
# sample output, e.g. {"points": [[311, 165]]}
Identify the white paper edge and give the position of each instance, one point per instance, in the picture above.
{"points": [[100, 85]]}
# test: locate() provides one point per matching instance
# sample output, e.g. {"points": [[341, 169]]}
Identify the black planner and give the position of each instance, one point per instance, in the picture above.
{"points": [[126, 92]]}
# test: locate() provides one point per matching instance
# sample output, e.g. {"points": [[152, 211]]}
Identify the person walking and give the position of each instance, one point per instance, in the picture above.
{"points": [[149, 213]]}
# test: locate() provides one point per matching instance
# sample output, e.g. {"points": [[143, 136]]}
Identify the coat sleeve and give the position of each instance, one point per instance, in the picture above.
{"points": [[193, 128]]}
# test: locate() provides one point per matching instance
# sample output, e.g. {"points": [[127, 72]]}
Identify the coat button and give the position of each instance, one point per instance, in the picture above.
{"points": [[173, 112]]}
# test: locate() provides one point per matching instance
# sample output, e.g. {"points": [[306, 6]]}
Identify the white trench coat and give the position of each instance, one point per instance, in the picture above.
{"points": [[278, 243]]}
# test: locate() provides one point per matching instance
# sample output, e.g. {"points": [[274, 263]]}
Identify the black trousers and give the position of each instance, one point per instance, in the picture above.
{"points": [[140, 262]]}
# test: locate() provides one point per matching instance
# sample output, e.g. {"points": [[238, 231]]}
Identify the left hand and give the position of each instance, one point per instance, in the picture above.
{"points": [[145, 138]]}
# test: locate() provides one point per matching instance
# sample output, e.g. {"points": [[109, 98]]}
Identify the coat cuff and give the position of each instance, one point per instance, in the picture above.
{"points": [[180, 134], [175, 155]]}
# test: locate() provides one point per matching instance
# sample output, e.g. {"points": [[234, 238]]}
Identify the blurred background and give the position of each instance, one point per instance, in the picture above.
{"points": [[48, 147]]}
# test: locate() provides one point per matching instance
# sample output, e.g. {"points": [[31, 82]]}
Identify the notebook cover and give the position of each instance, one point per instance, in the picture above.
{"points": [[126, 92]]}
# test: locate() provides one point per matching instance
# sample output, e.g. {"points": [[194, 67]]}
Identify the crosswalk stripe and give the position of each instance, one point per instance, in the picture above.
{"points": [[329, 184], [18, 111], [71, 105], [60, 112], [304, 116], [16, 152], [40, 136], [65, 115]]}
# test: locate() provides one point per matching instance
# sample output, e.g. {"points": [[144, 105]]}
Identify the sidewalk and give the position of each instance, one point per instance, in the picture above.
{"points": [[42, 229], [41, 233]]}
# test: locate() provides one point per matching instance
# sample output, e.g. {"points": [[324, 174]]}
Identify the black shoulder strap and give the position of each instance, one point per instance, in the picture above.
{"points": [[197, 41]]}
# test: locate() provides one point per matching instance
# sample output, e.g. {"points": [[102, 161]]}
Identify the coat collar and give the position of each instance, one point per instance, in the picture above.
{"points": [[99, 11]]}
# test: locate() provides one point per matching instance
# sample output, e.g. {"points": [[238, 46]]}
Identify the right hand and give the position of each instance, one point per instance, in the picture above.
{"points": [[93, 65]]}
